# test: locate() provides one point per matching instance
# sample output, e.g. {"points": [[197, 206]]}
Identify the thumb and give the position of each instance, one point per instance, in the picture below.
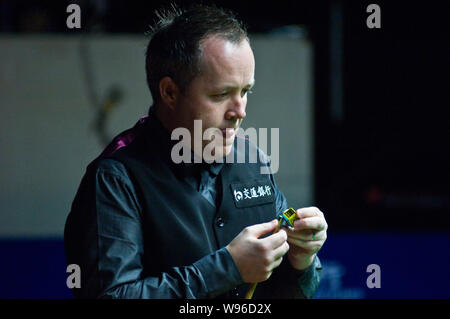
{"points": [[264, 228]]}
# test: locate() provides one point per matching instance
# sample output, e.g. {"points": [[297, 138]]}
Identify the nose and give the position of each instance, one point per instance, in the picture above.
{"points": [[237, 109]]}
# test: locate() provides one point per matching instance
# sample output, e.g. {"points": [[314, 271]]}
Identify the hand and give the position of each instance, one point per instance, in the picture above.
{"points": [[306, 237], [256, 258]]}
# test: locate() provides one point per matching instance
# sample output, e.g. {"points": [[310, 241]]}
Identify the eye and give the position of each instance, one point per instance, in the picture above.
{"points": [[246, 91], [220, 96]]}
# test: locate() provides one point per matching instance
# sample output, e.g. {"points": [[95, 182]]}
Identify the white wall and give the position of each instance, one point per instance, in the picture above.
{"points": [[282, 99], [46, 135]]}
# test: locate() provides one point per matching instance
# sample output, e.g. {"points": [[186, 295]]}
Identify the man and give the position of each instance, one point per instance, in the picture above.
{"points": [[145, 226]]}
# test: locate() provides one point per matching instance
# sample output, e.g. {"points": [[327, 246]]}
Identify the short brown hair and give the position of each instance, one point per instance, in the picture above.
{"points": [[174, 48]]}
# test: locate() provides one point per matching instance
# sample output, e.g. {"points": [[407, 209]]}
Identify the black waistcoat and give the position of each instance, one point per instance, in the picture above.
{"points": [[180, 225]]}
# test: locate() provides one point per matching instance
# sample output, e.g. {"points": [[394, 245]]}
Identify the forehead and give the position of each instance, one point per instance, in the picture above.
{"points": [[225, 61]]}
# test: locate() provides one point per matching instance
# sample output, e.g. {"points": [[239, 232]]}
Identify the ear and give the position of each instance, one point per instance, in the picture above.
{"points": [[169, 92]]}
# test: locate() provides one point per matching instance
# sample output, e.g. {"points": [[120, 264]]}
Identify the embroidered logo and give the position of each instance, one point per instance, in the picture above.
{"points": [[237, 195], [253, 193]]}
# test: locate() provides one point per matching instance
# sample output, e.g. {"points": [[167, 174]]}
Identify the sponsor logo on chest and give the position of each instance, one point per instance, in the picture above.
{"points": [[252, 193]]}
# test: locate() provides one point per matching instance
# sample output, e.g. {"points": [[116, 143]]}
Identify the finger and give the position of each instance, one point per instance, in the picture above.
{"points": [[316, 223], [308, 246], [280, 251], [267, 276], [306, 235], [296, 251], [259, 230], [275, 240], [276, 263], [307, 212]]}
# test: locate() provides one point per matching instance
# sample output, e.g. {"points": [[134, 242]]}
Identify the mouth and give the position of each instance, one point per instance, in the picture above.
{"points": [[228, 132]]}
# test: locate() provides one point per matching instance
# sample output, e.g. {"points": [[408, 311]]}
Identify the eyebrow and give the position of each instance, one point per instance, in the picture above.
{"points": [[231, 87]]}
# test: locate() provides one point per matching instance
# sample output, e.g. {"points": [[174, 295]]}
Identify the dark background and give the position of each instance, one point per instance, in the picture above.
{"points": [[380, 100], [381, 144], [385, 147]]}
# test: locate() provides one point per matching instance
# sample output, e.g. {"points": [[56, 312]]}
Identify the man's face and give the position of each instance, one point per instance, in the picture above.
{"points": [[218, 95]]}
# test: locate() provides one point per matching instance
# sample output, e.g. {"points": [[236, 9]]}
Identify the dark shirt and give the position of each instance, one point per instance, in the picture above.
{"points": [[116, 194], [201, 176]]}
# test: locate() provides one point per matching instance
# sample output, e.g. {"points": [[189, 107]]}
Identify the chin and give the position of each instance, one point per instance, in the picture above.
{"points": [[218, 154], [218, 148], [227, 149]]}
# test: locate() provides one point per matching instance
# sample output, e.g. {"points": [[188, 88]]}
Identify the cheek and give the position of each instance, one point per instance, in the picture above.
{"points": [[209, 120], [188, 112], [211, 116], [201, 108]]}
